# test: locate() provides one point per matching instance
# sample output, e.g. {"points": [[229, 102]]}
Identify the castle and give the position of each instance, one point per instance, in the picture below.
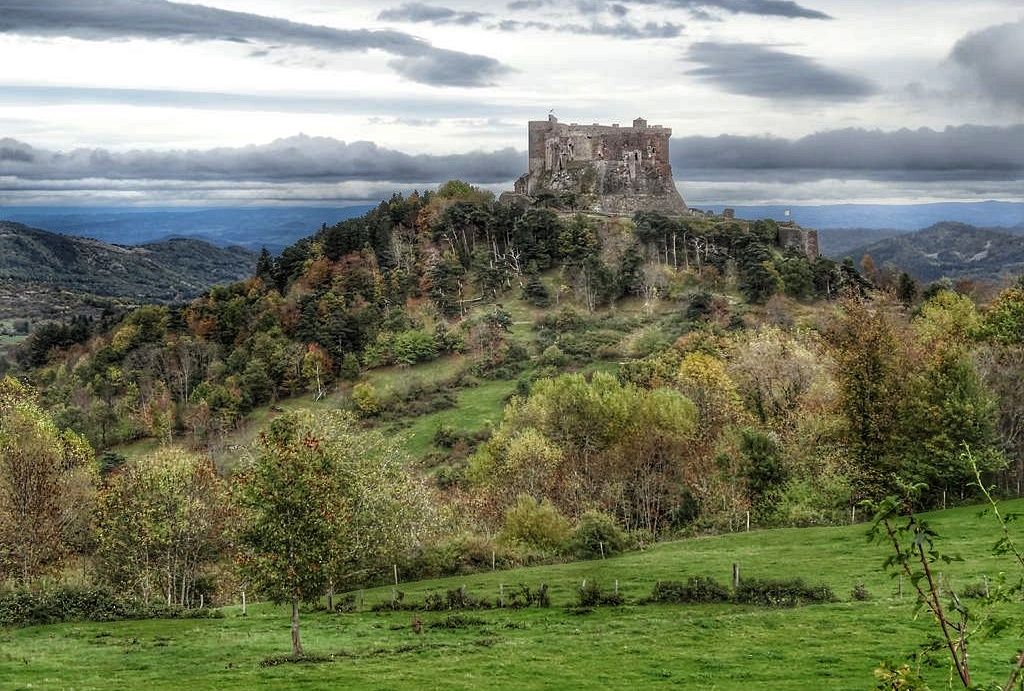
{"points": [[604, 169]]}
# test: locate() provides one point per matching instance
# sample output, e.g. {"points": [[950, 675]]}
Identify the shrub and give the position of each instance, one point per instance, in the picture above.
{"points": [[445, 436], [454, 599], [365, 400], [860, 593], [697, 589], [410, 347], [535, 524], [552, 357], [536, 293], [28, 608], [976, 591], [596, 534], [782, 593], [590, 594], [523, 596]]}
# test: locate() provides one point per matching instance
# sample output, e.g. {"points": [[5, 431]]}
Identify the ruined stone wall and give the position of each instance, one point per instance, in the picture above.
{"points": [[610, 169], [792, 236]]}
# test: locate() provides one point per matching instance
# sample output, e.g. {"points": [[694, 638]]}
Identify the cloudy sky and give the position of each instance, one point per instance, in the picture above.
{"points": [[335, 101]]}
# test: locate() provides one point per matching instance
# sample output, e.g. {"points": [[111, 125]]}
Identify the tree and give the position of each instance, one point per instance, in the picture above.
{"points": [[265, 268], [47, 487], [322, 501], [906, 289], [292, 512], [871, 368], [161, 524]]}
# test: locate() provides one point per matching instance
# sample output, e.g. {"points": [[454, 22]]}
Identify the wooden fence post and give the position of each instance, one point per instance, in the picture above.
{"points": [[243, 603], [735, 575]]}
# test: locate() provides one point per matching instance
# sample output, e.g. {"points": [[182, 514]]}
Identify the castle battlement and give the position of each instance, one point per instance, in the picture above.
{"points": [[609, 168]]}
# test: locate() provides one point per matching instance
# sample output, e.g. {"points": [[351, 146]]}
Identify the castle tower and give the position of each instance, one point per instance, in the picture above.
{"points": [[607, 169]]}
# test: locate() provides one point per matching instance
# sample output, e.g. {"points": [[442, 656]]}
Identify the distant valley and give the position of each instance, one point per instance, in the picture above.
{"points": [[45, 275], [949, 250], [252, 227]]}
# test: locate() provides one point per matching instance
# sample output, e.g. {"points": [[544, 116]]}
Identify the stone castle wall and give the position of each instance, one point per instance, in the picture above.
{"points": [[610, 169]]}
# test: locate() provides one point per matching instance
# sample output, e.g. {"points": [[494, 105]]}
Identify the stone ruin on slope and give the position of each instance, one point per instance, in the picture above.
{"points": [[602, 169]]}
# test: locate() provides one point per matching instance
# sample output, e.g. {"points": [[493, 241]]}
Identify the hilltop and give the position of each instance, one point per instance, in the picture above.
{"points": [[950, 250], [45, 274]]}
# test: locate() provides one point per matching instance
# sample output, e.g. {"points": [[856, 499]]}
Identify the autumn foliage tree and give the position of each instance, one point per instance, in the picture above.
{"points": [[47, 487], [320, 499], [161, 526]]}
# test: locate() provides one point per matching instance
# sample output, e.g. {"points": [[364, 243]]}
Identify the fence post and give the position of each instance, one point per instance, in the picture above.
{"points": [[735, 575], [396, 573], [243, 603], [493, 560], [600, 543], [200, 600], [748, 521]]}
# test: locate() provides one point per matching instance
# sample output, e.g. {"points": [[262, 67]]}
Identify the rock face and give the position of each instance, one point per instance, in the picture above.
{"points": [[604, 169]]}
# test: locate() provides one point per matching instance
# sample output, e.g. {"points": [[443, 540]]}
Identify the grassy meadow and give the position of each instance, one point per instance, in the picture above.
{"points": [[833, 646]]}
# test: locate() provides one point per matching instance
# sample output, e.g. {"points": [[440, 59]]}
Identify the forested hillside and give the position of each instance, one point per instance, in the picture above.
{"points": [[46, 275], [447, 384], [949, 250]]}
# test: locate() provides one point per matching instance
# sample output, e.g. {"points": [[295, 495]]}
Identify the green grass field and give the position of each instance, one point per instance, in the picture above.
{"points": [[834, 646]]}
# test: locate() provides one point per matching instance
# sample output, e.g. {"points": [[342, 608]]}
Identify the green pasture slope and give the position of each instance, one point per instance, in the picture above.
{"points": [[833, 646]]}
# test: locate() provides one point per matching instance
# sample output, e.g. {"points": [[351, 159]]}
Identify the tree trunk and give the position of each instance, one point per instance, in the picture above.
{"points": [[296, 639]]}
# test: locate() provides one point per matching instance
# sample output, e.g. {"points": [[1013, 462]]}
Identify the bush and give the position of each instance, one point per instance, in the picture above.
{"points": [[535, 524], [454, 599], [365, 400], [523, 596], [696, 590], [782, 593], [28, 608], [860, 593], [596, 534], [552, 357], [590, 594]]}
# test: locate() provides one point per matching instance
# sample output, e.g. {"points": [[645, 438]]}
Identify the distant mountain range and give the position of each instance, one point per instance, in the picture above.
{"points": [[252, 227], [46, 275], [276, 227], [951, 250], [897, 217]]}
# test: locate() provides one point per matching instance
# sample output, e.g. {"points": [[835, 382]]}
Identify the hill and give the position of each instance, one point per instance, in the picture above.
{"points": [[951, 250], [252, 227], [902, 217], [44, 274], [649, 646]]}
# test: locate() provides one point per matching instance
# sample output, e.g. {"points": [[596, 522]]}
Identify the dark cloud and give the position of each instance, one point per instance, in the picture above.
{"points": [[699, 8], [99, 20], [299, 158], [767, 8], [994, 59], [966, 152], [418, 12], [751, 69], [621, 29]]}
